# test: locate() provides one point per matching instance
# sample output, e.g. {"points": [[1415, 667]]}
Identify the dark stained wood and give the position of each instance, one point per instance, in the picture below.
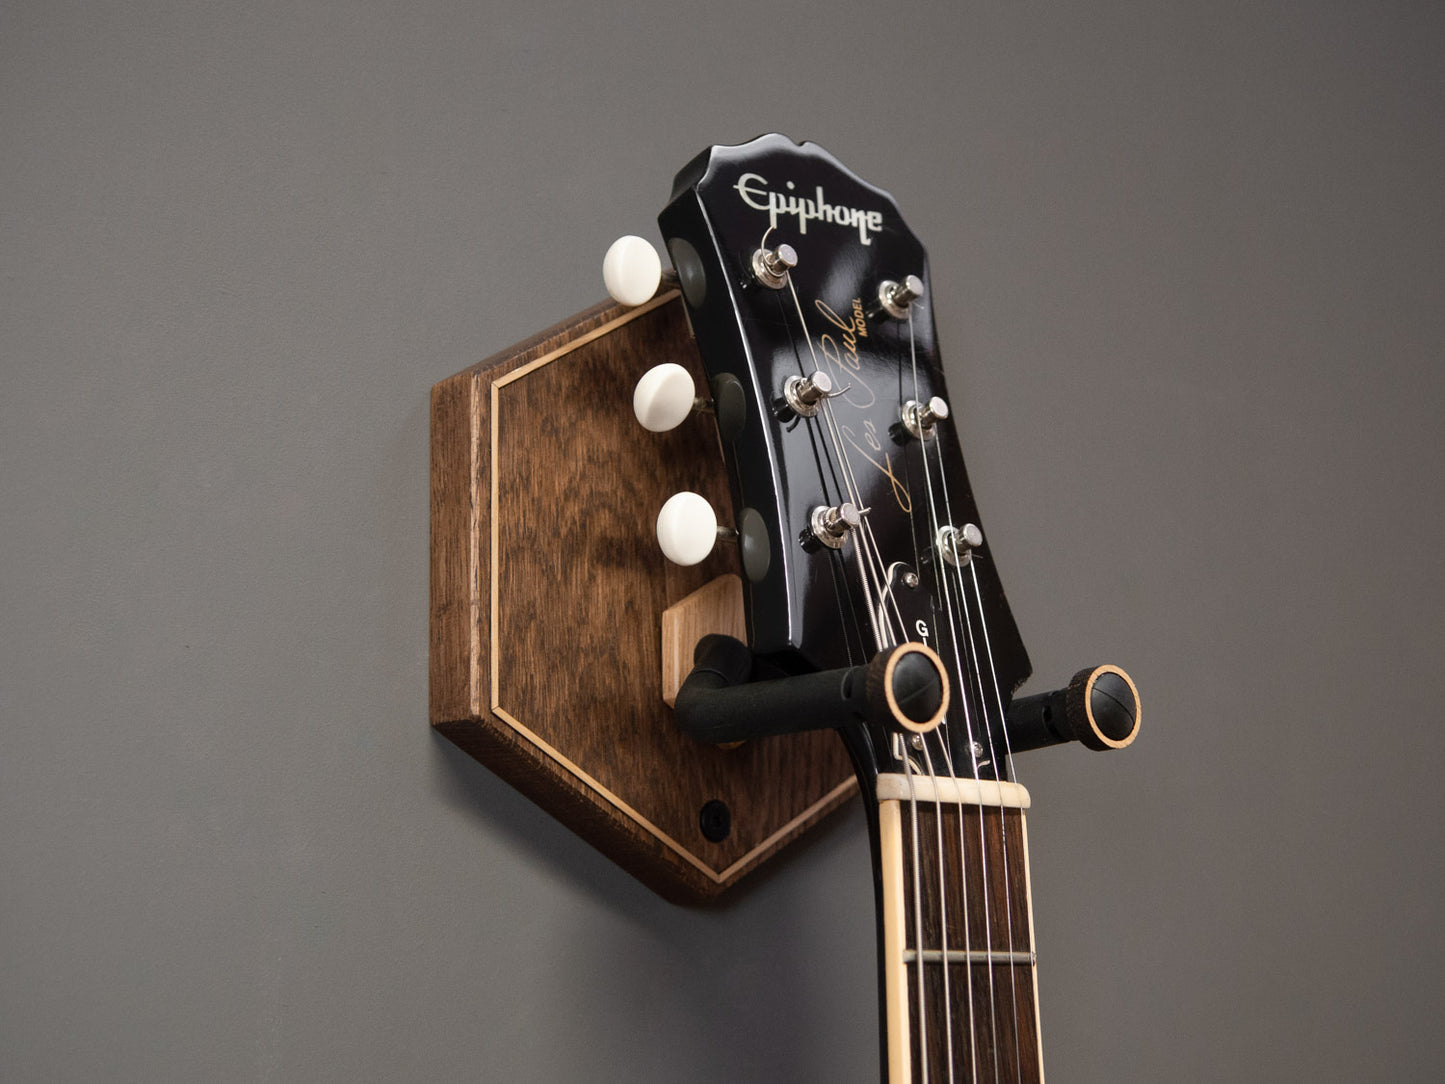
{"points": [[577, 721], [983, 865]]}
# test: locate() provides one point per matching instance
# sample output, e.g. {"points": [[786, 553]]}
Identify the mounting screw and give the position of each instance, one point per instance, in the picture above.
{"points": [[715, 820]]}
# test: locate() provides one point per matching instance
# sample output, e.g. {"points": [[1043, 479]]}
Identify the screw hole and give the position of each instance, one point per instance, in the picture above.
{"points": [[715, 820]]}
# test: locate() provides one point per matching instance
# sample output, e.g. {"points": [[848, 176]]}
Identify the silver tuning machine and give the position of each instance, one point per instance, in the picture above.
{"points": [[894, 298], [832, 526], [770, 266], [956, 544], [804, 395], [919, 419]]}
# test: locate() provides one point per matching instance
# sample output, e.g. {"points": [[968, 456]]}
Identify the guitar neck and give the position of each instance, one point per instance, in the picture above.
{"points": [[953, 863]]}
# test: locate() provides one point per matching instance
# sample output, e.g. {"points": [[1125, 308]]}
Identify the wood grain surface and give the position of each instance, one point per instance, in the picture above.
{"points": [[547, 589], [715, 607], [977, 861]]}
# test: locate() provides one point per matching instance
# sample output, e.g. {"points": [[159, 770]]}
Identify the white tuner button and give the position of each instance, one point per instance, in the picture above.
{"points": [[631, 269], [686, 528], [664, 397]]}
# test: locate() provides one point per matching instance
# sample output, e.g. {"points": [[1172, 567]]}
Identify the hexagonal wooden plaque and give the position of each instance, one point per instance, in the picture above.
{"points": [[547, 590]]}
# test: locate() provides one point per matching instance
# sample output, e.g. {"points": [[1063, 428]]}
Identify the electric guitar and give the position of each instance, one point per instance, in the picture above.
{"points": [[854, 590], [872, 598]]}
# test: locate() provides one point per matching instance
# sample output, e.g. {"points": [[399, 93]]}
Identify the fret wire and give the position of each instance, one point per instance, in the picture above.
{"points": [[971, 956]]}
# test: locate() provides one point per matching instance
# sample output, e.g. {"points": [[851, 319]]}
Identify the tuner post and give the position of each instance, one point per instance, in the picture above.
{"points": [[955, 545], [921, 419], [832, 526], [1099, 708], [894, 298], [770, 267], [805, 395]]}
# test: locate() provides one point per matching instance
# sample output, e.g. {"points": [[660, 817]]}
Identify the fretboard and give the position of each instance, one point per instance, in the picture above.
{"points": [[957, 932]]}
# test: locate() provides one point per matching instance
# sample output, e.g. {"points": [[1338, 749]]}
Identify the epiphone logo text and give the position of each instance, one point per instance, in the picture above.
{"points": [[755, 193]]}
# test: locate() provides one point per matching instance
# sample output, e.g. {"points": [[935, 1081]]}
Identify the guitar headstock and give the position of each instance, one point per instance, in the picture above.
{"points": [[810, 301]]}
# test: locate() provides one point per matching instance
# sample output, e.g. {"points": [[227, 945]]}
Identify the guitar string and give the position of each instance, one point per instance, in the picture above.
{"points": [[920, 967], [983, 833], [993, 756], [1013, 776], [872, 568], [944, 742], [870, 560], [917, 923], [946, 595], [842, 467], [974, 1034], [843, 596], [870, 563], [942, 910], [866, 543]]}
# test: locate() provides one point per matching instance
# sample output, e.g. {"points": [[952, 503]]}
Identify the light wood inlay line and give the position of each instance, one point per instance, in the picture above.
{"points": [[495, 524], [718, 877], [845, 787], [498, 487], [517, 374], [474, 556], [536, 740], [595, 333]]}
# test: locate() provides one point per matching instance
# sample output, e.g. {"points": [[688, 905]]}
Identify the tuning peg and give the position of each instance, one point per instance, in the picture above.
{"points": [[771, 266], [631, 269], [687, 528], [664, 397], [895, 297], [956, 544]]}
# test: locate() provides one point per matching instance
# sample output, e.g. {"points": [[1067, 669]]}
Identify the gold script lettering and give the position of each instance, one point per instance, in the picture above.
{"points": [[900, 491], [859, 394]]}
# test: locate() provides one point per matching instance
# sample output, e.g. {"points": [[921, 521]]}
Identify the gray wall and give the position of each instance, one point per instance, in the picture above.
{"points": [[1188, 273]]}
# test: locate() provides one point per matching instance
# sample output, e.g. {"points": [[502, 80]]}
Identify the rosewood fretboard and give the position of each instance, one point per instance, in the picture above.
{"points": [[954, 864]]}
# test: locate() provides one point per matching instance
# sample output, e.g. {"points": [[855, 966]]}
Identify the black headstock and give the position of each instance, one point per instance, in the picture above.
{"points": [[811, 606]]}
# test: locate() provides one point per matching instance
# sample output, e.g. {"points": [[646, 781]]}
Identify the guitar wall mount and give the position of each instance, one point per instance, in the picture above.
{"points": [[542, 553], [523, 585]]}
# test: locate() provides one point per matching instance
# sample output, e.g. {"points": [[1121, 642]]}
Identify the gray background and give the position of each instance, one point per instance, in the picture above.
{"points": [[1188, 272]]}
